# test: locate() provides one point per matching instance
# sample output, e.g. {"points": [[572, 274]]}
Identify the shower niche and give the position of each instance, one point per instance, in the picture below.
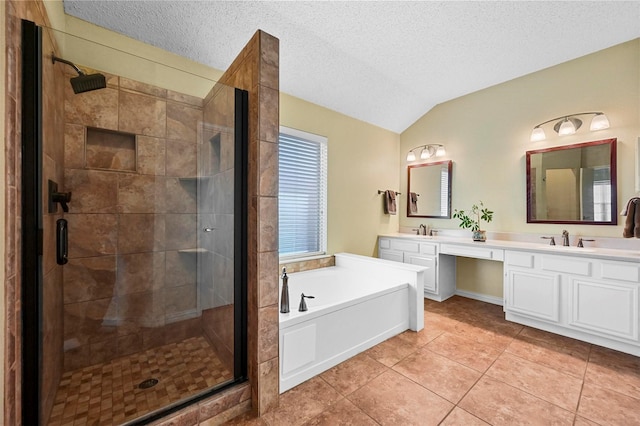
{"points": [[110, 150]]}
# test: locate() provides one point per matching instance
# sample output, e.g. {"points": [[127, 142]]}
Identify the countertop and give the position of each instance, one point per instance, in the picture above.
{"points": [[558, 249]]}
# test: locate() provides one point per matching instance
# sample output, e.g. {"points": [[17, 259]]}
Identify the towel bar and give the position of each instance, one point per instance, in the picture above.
{"points": [[382, 192]]}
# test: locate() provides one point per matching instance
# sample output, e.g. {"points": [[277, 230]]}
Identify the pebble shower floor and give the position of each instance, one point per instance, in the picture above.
{"points": [[109, 394]]}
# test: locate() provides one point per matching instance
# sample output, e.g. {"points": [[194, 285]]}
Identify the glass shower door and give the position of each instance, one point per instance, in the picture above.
{"points": [[147, 310], [217, 222]]}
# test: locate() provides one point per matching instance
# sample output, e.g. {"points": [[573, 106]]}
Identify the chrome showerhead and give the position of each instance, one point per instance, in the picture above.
{"points": [[83, 82]]}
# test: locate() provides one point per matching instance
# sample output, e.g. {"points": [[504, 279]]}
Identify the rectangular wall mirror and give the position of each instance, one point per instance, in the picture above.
{"points": [[429, 190], [573, 184]]}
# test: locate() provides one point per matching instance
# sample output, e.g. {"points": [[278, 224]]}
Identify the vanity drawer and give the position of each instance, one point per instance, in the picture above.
{"points": [[521, 259], [568, 265], [472, 251], [426, 248], [620, 271], [384, 243], [405, 245]]}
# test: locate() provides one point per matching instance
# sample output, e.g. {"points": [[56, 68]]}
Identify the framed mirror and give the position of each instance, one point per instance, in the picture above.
{"points": [[429, 188], [573, 184]]}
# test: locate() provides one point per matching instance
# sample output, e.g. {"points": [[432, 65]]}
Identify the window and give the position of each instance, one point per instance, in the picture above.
{"points": [[601, 194], [444, 192], [302, 193]]}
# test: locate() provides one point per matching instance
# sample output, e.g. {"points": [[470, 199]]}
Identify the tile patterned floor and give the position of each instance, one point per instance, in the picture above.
{"points": [[469, 367], [108, 393]]}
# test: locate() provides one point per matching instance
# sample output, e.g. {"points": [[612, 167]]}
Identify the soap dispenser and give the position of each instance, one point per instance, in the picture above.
{"points": [[284, 296]]}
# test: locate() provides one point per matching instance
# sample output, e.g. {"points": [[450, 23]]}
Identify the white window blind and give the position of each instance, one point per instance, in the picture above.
{"points": [[444, 192], [602, 194], [302, 195]]}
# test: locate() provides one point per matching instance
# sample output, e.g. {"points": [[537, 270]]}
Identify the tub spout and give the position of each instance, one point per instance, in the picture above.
{"points": [[284, 296], [303, 305]]}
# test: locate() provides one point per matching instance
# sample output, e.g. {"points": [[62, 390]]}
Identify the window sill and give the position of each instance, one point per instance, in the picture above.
{"points": [[285, 260]]}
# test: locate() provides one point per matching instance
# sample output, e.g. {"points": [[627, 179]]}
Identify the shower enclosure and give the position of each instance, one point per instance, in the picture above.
{"points": [[134, 230]]}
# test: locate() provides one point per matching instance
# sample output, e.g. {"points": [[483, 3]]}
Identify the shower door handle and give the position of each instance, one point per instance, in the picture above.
{"points": [[62, 242], [207, 229]]}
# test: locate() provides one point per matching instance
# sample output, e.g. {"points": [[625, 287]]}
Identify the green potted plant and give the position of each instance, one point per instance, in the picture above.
{"points": [[472, 220]]}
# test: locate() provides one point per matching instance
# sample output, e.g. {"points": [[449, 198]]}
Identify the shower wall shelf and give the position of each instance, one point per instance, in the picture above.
{"points": [[194, 179], [193, 250]]}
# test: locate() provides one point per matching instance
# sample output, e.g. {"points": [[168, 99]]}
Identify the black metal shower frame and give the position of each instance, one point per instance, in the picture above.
{"points": [[32, 236]]}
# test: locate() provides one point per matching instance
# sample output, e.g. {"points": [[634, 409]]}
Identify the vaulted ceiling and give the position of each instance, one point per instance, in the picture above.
{"points": [[383, 62]]}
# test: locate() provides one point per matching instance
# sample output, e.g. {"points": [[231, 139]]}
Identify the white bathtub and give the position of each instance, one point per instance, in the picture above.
{"points": [[358, 303]]}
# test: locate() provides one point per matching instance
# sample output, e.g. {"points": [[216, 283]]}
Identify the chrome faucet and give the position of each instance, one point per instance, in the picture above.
{"points": [[565, 238]]}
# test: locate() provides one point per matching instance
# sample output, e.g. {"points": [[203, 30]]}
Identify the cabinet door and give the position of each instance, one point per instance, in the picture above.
{"points": [[533, 294], [608, 308], [430, 283], [396, 256]]}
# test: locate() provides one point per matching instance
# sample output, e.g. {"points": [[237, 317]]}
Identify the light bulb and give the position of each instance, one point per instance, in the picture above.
{"points": [[425, 153], [411, 156], [537, 134], [440, 151], [599, 122], [566, 128]]}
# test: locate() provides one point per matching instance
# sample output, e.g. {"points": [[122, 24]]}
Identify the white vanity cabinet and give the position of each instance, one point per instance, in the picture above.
{"points": [[606, 304], [528, 290], [588, 298], [423, 254]]}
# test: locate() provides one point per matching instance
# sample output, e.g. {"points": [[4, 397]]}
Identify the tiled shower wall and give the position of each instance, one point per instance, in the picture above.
{"points": [[130, 163]]}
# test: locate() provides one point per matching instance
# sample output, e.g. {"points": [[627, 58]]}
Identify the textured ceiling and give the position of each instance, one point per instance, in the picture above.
{"points": [[383, 62]]}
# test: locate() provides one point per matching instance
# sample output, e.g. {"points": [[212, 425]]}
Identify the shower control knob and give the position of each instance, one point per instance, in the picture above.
{"points": [[207, 229]]}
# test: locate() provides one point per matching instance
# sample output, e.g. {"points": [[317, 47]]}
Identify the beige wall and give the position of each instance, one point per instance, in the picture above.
{"points": [[486, 134], [362, 159]]}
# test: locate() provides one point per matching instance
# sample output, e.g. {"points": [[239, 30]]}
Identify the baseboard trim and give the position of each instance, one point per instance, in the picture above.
{"points": [[481, 297]]}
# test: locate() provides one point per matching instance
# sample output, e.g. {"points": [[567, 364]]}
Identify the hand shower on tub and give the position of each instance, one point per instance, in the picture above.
{"points": [[284, 295]]}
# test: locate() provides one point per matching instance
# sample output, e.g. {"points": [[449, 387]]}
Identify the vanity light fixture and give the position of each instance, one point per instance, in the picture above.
{"points": [[427, 151], [569, 124]]}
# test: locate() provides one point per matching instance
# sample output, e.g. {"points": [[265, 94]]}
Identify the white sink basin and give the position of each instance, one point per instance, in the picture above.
{"points": [[572, 249]]}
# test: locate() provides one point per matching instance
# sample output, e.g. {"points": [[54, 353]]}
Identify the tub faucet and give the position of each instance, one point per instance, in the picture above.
{"points": [[565, 238], [303, 305], [284, 296]]}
